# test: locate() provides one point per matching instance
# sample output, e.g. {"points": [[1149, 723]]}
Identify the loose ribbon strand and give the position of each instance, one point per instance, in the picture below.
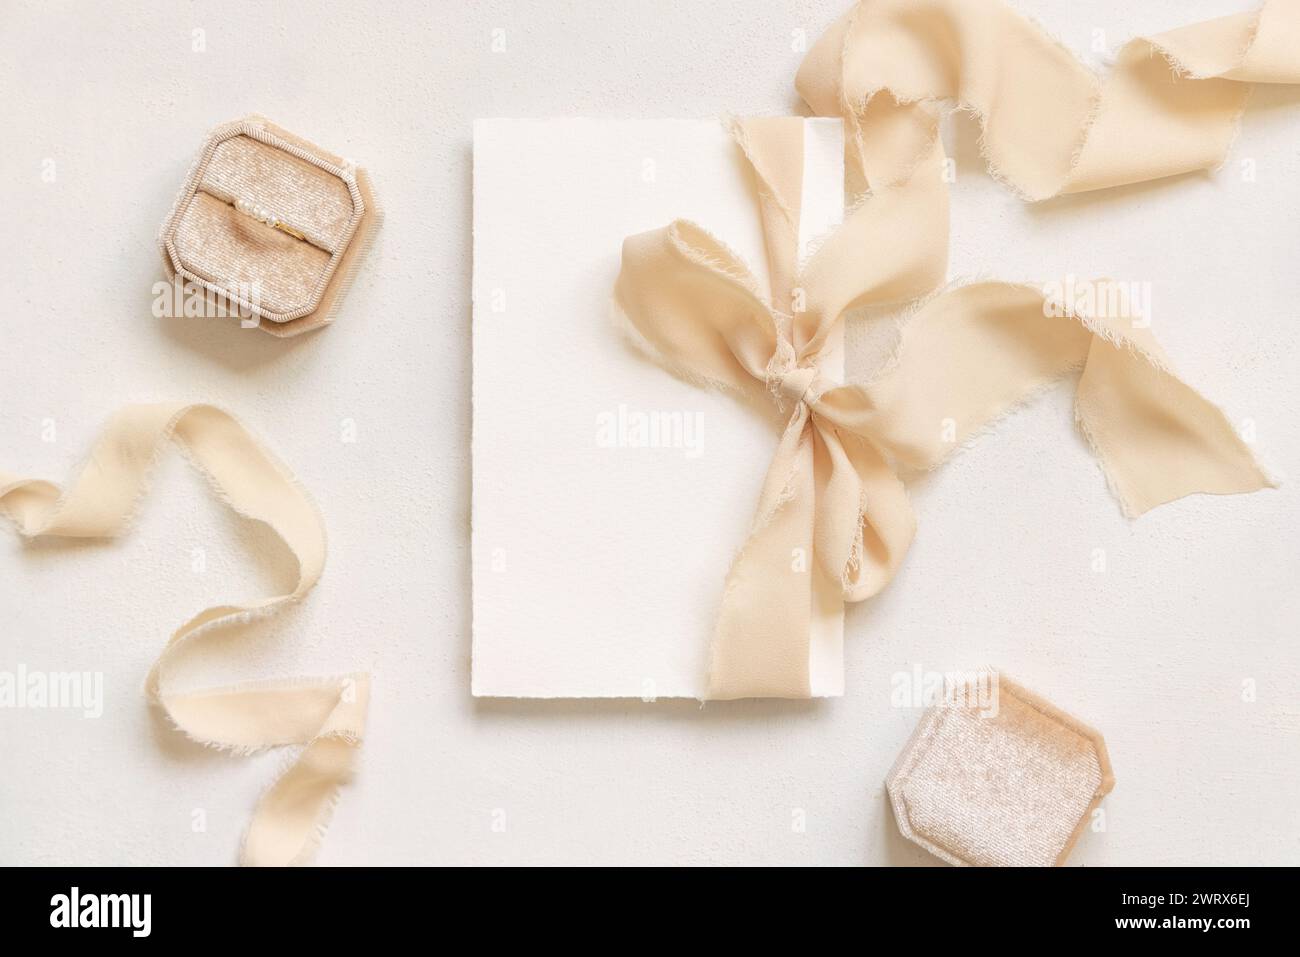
{"points": [[1170, 104], [325, 716]]}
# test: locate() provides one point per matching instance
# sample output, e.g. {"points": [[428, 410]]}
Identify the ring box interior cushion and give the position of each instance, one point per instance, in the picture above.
{"points": [[292, 277]]}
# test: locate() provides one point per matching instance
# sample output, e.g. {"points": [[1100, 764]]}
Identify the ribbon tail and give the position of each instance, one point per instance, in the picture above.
{"points": [[1157, 438], [761, 642], [972, 354], [865, 522]]}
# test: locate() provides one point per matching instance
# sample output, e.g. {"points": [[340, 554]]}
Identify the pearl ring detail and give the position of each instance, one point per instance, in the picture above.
{"points": [[264, 215]]}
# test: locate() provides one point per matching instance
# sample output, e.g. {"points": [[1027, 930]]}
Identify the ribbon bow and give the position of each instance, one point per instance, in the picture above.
{"points": [[833, 520]]}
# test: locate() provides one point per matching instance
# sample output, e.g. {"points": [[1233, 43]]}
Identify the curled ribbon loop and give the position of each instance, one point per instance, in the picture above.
{"points": [[832, 493], [326, 716]]}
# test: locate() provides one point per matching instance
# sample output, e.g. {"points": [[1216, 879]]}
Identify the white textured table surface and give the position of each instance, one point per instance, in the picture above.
{"points": [[103, 111]]}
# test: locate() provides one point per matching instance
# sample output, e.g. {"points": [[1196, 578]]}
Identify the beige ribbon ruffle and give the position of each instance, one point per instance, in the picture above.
{"points": [[833, 520], [1169, 105], [325, 716]]}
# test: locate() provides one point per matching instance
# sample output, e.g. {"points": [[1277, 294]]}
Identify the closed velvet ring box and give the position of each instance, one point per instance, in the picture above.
{"points": [[270, 226]]}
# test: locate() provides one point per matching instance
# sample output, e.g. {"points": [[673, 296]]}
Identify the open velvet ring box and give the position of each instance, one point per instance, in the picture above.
{"points": [[270, 227]]}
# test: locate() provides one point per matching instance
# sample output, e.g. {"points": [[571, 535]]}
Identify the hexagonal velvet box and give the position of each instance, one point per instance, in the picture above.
{"points": [[1009, 780], [270, 227]]}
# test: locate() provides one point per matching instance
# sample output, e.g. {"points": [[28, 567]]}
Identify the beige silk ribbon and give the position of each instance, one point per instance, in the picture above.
{"points": [[1169, 105], [325, 716], [833, 516]]}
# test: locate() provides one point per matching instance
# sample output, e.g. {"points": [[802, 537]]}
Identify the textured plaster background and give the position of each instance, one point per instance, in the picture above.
{"points": [[1196, 599]]}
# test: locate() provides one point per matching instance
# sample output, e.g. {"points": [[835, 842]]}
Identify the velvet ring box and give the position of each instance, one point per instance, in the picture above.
{"points": [[270, 227]]}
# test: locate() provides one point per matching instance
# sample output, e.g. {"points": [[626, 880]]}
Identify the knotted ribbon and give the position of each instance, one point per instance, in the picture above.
{"points": [[833, 520], [326, 716]]}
